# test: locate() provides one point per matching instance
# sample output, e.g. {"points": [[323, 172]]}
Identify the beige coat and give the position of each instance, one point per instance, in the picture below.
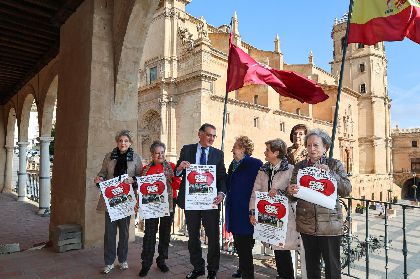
{"points": [[317, 220], [280, 182], [107, 172]]}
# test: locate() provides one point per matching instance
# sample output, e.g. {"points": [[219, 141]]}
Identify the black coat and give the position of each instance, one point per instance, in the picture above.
{"points": [[216, 157]]}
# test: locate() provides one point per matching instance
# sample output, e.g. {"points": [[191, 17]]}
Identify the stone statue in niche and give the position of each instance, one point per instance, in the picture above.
{"points": [[202, 29]]}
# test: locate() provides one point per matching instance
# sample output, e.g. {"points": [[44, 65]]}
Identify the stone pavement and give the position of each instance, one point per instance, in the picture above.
{"points": [[19, 223]]}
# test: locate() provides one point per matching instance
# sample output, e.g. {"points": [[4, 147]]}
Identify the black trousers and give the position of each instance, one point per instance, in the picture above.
{"points": [[329, 248], [210, 219], [149, 239], [284, 264], [244, 245], [110, 237]]}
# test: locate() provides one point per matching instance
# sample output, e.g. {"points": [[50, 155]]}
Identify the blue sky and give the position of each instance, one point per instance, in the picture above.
{"points": [[307, 26]]}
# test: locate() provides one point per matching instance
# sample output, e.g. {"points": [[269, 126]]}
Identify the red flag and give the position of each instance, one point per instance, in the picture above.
{"points": [[244, 70]]}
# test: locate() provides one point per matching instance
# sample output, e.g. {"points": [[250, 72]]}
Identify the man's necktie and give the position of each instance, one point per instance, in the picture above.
{"points": [[203, 160]]}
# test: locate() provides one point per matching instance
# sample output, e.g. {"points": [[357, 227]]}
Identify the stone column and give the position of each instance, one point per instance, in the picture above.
{"points": [[22, 175], [44, 176], [8, 170], [100, 51]]}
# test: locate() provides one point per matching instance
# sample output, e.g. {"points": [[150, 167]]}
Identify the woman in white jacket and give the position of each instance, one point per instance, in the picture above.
{"points": [[274, 177]]}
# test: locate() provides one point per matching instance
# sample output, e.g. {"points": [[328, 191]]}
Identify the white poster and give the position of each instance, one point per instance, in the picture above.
{"points": [[272, 215], [317, 186], [119, 197], [200, 187], [153, 197]]}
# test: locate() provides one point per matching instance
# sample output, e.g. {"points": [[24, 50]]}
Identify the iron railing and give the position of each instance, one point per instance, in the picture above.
{"points": [[32, 186], [366, 252], [356, 252]]}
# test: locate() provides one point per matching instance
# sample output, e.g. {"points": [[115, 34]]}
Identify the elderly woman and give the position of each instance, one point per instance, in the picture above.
{"points": [[121, 160], [273, 177], [297, 152], [157, 165], [321, 228], [240, 181]]}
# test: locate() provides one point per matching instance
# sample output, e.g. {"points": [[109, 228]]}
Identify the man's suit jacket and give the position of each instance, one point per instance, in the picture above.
{"points": [[216, 157]]}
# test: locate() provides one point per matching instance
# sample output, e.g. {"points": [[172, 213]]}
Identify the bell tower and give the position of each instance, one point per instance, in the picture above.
{"points": [[365, 72]]}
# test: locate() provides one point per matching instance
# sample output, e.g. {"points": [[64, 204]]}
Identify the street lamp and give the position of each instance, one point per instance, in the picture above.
{"points": [[414, 186]]}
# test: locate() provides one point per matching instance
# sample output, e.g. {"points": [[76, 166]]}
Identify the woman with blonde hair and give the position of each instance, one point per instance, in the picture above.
{"points": [[121, 160], [239, 183]]}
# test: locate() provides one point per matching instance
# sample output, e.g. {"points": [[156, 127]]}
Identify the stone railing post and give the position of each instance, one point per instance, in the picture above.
{"points": [[22, 175], [44, 176]]}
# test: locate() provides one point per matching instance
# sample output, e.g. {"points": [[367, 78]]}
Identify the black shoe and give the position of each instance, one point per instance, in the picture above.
{"points": [[237, 274], [195, 274], [211, 275], [163, 267], [143, 272]]}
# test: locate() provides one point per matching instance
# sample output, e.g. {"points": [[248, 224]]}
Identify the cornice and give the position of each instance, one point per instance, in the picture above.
{"points": [[202, 75], [398, 131], [239, 103], [291, 115]]}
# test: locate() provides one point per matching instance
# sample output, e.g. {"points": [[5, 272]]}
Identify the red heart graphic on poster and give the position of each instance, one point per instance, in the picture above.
{"points": [[200, 178], [265, 207], [323, 186], [122, 188], [152, 188]]}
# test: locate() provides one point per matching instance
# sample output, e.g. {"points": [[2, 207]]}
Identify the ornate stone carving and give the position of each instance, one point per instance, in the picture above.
{"points": [[169, 12], [186, 38], [202, 29]]}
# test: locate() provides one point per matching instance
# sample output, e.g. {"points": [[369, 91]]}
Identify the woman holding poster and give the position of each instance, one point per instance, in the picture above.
{"points": [[273, 177], [159, 165], [121, 160], [239, 183], [320, 227]]}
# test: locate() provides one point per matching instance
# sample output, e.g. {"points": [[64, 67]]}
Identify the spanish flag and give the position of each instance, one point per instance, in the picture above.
{"points": [[374, 21]]}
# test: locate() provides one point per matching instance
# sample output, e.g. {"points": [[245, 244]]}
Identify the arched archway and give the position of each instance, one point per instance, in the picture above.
{"points": [[408, 192], [48, 110], [10, 177], [24, 117]]}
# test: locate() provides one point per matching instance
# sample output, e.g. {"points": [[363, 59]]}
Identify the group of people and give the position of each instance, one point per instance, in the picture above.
{"points": [[314, 230]]}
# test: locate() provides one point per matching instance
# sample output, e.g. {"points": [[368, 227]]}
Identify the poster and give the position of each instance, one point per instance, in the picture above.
{"points": [[200, 187], [119, 197], [272, 215], [153, 196], [317, 186]]}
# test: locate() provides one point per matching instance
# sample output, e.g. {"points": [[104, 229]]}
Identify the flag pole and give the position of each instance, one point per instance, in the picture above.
{"points": [[226, 98], [224, 121], [340, 81]]}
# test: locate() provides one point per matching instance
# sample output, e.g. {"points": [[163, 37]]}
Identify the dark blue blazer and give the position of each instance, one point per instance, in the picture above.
{"points": [[215, 157], [239, 185]]}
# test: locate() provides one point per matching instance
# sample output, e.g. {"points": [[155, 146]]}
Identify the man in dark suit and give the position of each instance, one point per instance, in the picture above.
{"points": [[204, 154]]}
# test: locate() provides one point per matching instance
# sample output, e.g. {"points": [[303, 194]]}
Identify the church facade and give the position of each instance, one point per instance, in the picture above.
{"points": [[183, 82]]}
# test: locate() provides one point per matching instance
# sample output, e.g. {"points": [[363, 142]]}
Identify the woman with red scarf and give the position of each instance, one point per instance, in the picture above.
{"points": [[159, 165]]}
